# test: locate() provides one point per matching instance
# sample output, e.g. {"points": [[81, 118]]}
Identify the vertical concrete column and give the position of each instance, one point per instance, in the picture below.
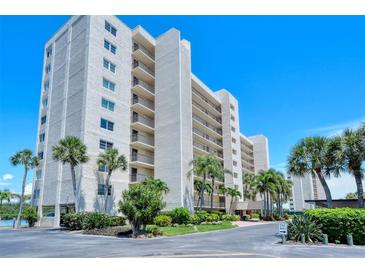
{"points": [[173, 118]]}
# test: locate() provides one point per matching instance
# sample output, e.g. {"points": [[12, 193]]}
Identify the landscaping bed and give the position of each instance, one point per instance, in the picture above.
{"points": [[114, 231], [188, 229]]}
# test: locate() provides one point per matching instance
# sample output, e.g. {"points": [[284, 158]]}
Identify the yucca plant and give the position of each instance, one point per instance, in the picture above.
{"points": [[304, 224]]}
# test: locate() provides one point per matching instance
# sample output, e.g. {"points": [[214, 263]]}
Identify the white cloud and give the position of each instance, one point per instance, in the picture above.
{"points": [[336, 129], [28, 189], [342, 185], [7, 176]]}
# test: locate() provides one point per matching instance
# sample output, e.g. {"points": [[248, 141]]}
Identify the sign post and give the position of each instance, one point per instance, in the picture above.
{"points": [[283, 231]]}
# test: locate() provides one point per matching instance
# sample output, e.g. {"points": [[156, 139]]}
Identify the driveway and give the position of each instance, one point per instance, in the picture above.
{"points": [[252, 241]]}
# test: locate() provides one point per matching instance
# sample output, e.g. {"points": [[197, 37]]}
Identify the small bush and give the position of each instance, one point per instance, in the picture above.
{"points": [[212, 217], [230, 217], [304, 224], [202, 215], [74, 221], [181, 215], [95, 220], [117, 220], [255, 216], [194, 219], [337, 223], [91, 220], [153, 229], [162, 220], [30, 214]]}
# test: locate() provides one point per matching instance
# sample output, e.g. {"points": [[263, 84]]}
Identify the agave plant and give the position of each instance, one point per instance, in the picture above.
{"points": [[304, 224]]}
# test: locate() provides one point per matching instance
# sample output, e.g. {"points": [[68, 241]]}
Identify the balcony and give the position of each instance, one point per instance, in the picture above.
{"points": [[142, 160], [143, 72], [201, 111], [202, 149], [143, 89], [220, 205], [208, 140], [142, 122], [205, 126], [137, 178], [142, 141], [202, 98], [141, 53], [143, 106]]}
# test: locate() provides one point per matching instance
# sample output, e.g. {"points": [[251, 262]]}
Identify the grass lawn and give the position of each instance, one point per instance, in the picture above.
{"points": [[182, 229]]}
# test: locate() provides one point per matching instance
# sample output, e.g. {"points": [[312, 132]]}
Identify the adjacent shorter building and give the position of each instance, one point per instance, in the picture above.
{"points": [[113, 86]]}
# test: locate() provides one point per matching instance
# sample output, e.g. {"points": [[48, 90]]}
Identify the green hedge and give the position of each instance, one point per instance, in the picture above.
{"points": [[91, 220], [337, 223]]}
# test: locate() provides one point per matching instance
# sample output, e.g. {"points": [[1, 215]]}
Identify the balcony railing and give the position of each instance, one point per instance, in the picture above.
{"points": [[206, 100], [207, 204], [147, 103], [207, 149], [138, 137], [205, 123], [143, 67], [219, 120], [138, 157], [143, 119], [143, 49], [206, 136], [138, 177], [143, 84]]}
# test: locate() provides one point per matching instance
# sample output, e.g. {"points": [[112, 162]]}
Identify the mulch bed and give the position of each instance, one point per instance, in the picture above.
{"points": [[115, 231]]}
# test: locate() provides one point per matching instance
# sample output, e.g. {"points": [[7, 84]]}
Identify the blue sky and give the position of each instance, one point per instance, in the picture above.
{"points": [[293, 76]]}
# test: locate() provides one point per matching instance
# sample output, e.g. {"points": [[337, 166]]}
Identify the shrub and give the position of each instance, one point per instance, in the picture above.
{"points": [[286, 216], [95, 220], [153, 229], [181, 215], [162, 220], [117, 220], [255, 216], [337, 223], [74, 221], [304, 224], [202, 215], [212, 217], [30, 214], [230, 217], [194, 219]]}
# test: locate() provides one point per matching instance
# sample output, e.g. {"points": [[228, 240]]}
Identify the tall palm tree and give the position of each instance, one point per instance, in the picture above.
{"points": [[234, 194], [5, 195], [352, 155], [249, 186], [29, 161], [266, 186], [199, 187], [311, 156], [111, 159], [201, 167], [72, 151], [216, 171], [283, 191], [157, 184]]}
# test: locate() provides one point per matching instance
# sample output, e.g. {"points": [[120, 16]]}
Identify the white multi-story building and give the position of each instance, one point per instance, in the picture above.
{"points": [[113, 86]]}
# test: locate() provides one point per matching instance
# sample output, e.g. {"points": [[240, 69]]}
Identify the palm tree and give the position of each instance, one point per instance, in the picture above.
{"points": [[72, 151], [283, 191], [157, 184], [352, 155], [249, 186], [216, 170], [201, 167], [311, 155], [111, 160], [5, 195], [199, 187], [265, 186], [29, 161], [234, 194]]}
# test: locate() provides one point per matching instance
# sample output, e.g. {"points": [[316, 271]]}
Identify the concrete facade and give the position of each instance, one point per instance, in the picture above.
{"points": [[114, 86]]}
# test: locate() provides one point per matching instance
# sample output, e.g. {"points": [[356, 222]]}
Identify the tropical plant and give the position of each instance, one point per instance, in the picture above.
{"points": [[282, 191], [304, 225], [266, 184], [310, 155], [352, 195], [157, 184], [72, 151], [233, 194], [200, 187], [30, 214], [141, 203], [162, 220], [29, 161], [250, 186], [180, 215], [5, 195], [111, 160]]}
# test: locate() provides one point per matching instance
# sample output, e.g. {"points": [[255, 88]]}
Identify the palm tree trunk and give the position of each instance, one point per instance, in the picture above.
{"points": [[326, 189], [18, 219], [211, 195], [230, 205], [202, 191], [74, 187], [107, 190], [265, 204], [360, 191]]}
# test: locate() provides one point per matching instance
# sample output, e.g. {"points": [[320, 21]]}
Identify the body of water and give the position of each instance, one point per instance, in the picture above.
{"points": [[10, 223]]}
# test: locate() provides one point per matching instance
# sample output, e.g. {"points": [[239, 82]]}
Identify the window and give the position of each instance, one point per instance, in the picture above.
{"points": [[235, 174], [48, 68], [231, 106], [234, 151], [46, 85], [233, 140], [42, 136], [101, 189], [36, 193], [235, 163], [109, 65], [108, 84], [109, 46], [38, 174], [106, 124], [233, 129], [232, 118], [40, 155], [45, 102], [109, 27], [49, 52], [105, 144], [107, 104], [103, 168], [43, 119]]}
